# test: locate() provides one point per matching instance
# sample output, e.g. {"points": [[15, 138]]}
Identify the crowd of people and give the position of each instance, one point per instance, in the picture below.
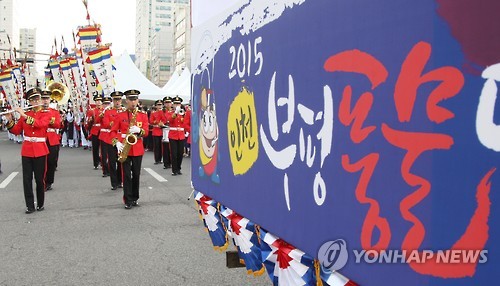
{"points": [[117, 135]]}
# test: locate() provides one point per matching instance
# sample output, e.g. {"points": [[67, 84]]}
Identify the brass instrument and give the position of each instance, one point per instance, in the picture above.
{"points": [[130, 139], [59, 92]]}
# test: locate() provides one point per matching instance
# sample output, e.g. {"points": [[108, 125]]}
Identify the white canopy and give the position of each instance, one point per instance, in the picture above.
{"points": [[128, 76], [181, 86], [171, 81]]}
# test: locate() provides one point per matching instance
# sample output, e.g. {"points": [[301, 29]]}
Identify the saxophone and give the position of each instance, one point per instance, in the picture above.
{"points": [[130, 139]]}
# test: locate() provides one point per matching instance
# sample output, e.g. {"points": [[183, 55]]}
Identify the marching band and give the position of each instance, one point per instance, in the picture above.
{"points": [[116, 133]]}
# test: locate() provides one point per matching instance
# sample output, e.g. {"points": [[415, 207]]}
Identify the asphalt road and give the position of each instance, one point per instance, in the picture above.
{"points": [[86, 237]]}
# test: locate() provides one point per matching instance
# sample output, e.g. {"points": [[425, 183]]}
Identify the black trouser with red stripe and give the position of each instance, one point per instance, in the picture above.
{"points": [[131, 169], [104, 158], [157, 148], [177, 148], [95, 150], [37, 166], [167, 160], [51, 163], [114, 167]]}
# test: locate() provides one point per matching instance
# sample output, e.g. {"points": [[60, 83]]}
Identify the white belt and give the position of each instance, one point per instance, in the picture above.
{"points": [[53, 130], [176, 129], [105, 130], [34, 139], [97, 124], [124, 135]]}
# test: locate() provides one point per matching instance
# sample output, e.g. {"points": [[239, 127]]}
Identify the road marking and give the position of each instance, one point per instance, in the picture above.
{"points": [[8, 179], [155, 175]]}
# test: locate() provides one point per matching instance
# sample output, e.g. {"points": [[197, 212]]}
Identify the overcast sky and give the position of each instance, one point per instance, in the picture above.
{"points": [[58, 18]]}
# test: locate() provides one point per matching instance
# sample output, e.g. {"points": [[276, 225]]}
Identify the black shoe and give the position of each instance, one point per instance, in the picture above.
{"points": [[135, 204], [156, 163], [105, 175], [28, 211], [95, 167], [128, 206], [40, 208], [167, 167], [48, 188], [120, 186], [114, 188], [174, 174], [179, 173]]}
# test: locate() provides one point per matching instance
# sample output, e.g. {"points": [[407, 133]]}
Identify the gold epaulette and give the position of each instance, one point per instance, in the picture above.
{"points": [[30, 120], [10, 124]]}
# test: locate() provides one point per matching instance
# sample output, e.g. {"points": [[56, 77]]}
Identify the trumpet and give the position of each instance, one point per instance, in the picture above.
{"points": [[26, 108]]}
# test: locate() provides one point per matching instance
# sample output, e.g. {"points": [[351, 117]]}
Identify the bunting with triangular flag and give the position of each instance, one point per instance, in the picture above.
{"points": [[244, 236], [209, 212]]}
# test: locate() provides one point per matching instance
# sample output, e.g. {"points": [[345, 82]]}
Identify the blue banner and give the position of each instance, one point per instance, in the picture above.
{"points": [[374, 122]]}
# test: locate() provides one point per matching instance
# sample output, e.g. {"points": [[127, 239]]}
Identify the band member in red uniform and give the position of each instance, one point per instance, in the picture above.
{"points": [[94, 125], [34, 124], [115, 168], [176, 135], [157, 121], [104, 137], [167, 110], [130, 122], [187, 119], [53, 139]]}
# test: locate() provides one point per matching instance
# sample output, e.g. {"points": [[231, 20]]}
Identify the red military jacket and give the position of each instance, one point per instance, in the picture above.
{"points": [[34, 128], [94, 114], [156, 118], [187, 119], [167, 116], [55, 123], [177, 126], [104, 133], [107, 122], [120, 129]]}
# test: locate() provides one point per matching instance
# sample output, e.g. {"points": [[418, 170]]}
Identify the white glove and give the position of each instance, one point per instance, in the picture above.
{"points": [[177, 109], [186, 134], [134, 129], [119, 146]]}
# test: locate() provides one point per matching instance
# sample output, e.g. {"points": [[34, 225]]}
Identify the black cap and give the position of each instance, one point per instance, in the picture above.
{"points": [[132, 94], [97, 98], [46, 93], [158, 102], [116, 95], [177, 99], [167, 99], [106, 100], [33, 92]]}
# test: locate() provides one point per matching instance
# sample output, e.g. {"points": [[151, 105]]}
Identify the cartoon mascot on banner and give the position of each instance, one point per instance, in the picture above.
{"points": [[209, 136]]}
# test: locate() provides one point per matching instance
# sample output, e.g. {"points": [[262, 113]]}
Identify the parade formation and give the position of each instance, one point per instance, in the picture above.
{"points": [[360, 147], [77, 106]]}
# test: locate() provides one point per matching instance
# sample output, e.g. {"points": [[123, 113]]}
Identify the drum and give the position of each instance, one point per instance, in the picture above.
{"points": [[165, 130]]}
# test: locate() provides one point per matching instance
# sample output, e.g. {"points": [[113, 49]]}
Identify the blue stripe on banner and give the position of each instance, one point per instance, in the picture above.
{"points": [[88, 38]]}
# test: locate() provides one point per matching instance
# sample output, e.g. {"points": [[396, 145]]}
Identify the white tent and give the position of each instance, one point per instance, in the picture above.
{"points": [[171, 81], [128, 76], [181, 86]]}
